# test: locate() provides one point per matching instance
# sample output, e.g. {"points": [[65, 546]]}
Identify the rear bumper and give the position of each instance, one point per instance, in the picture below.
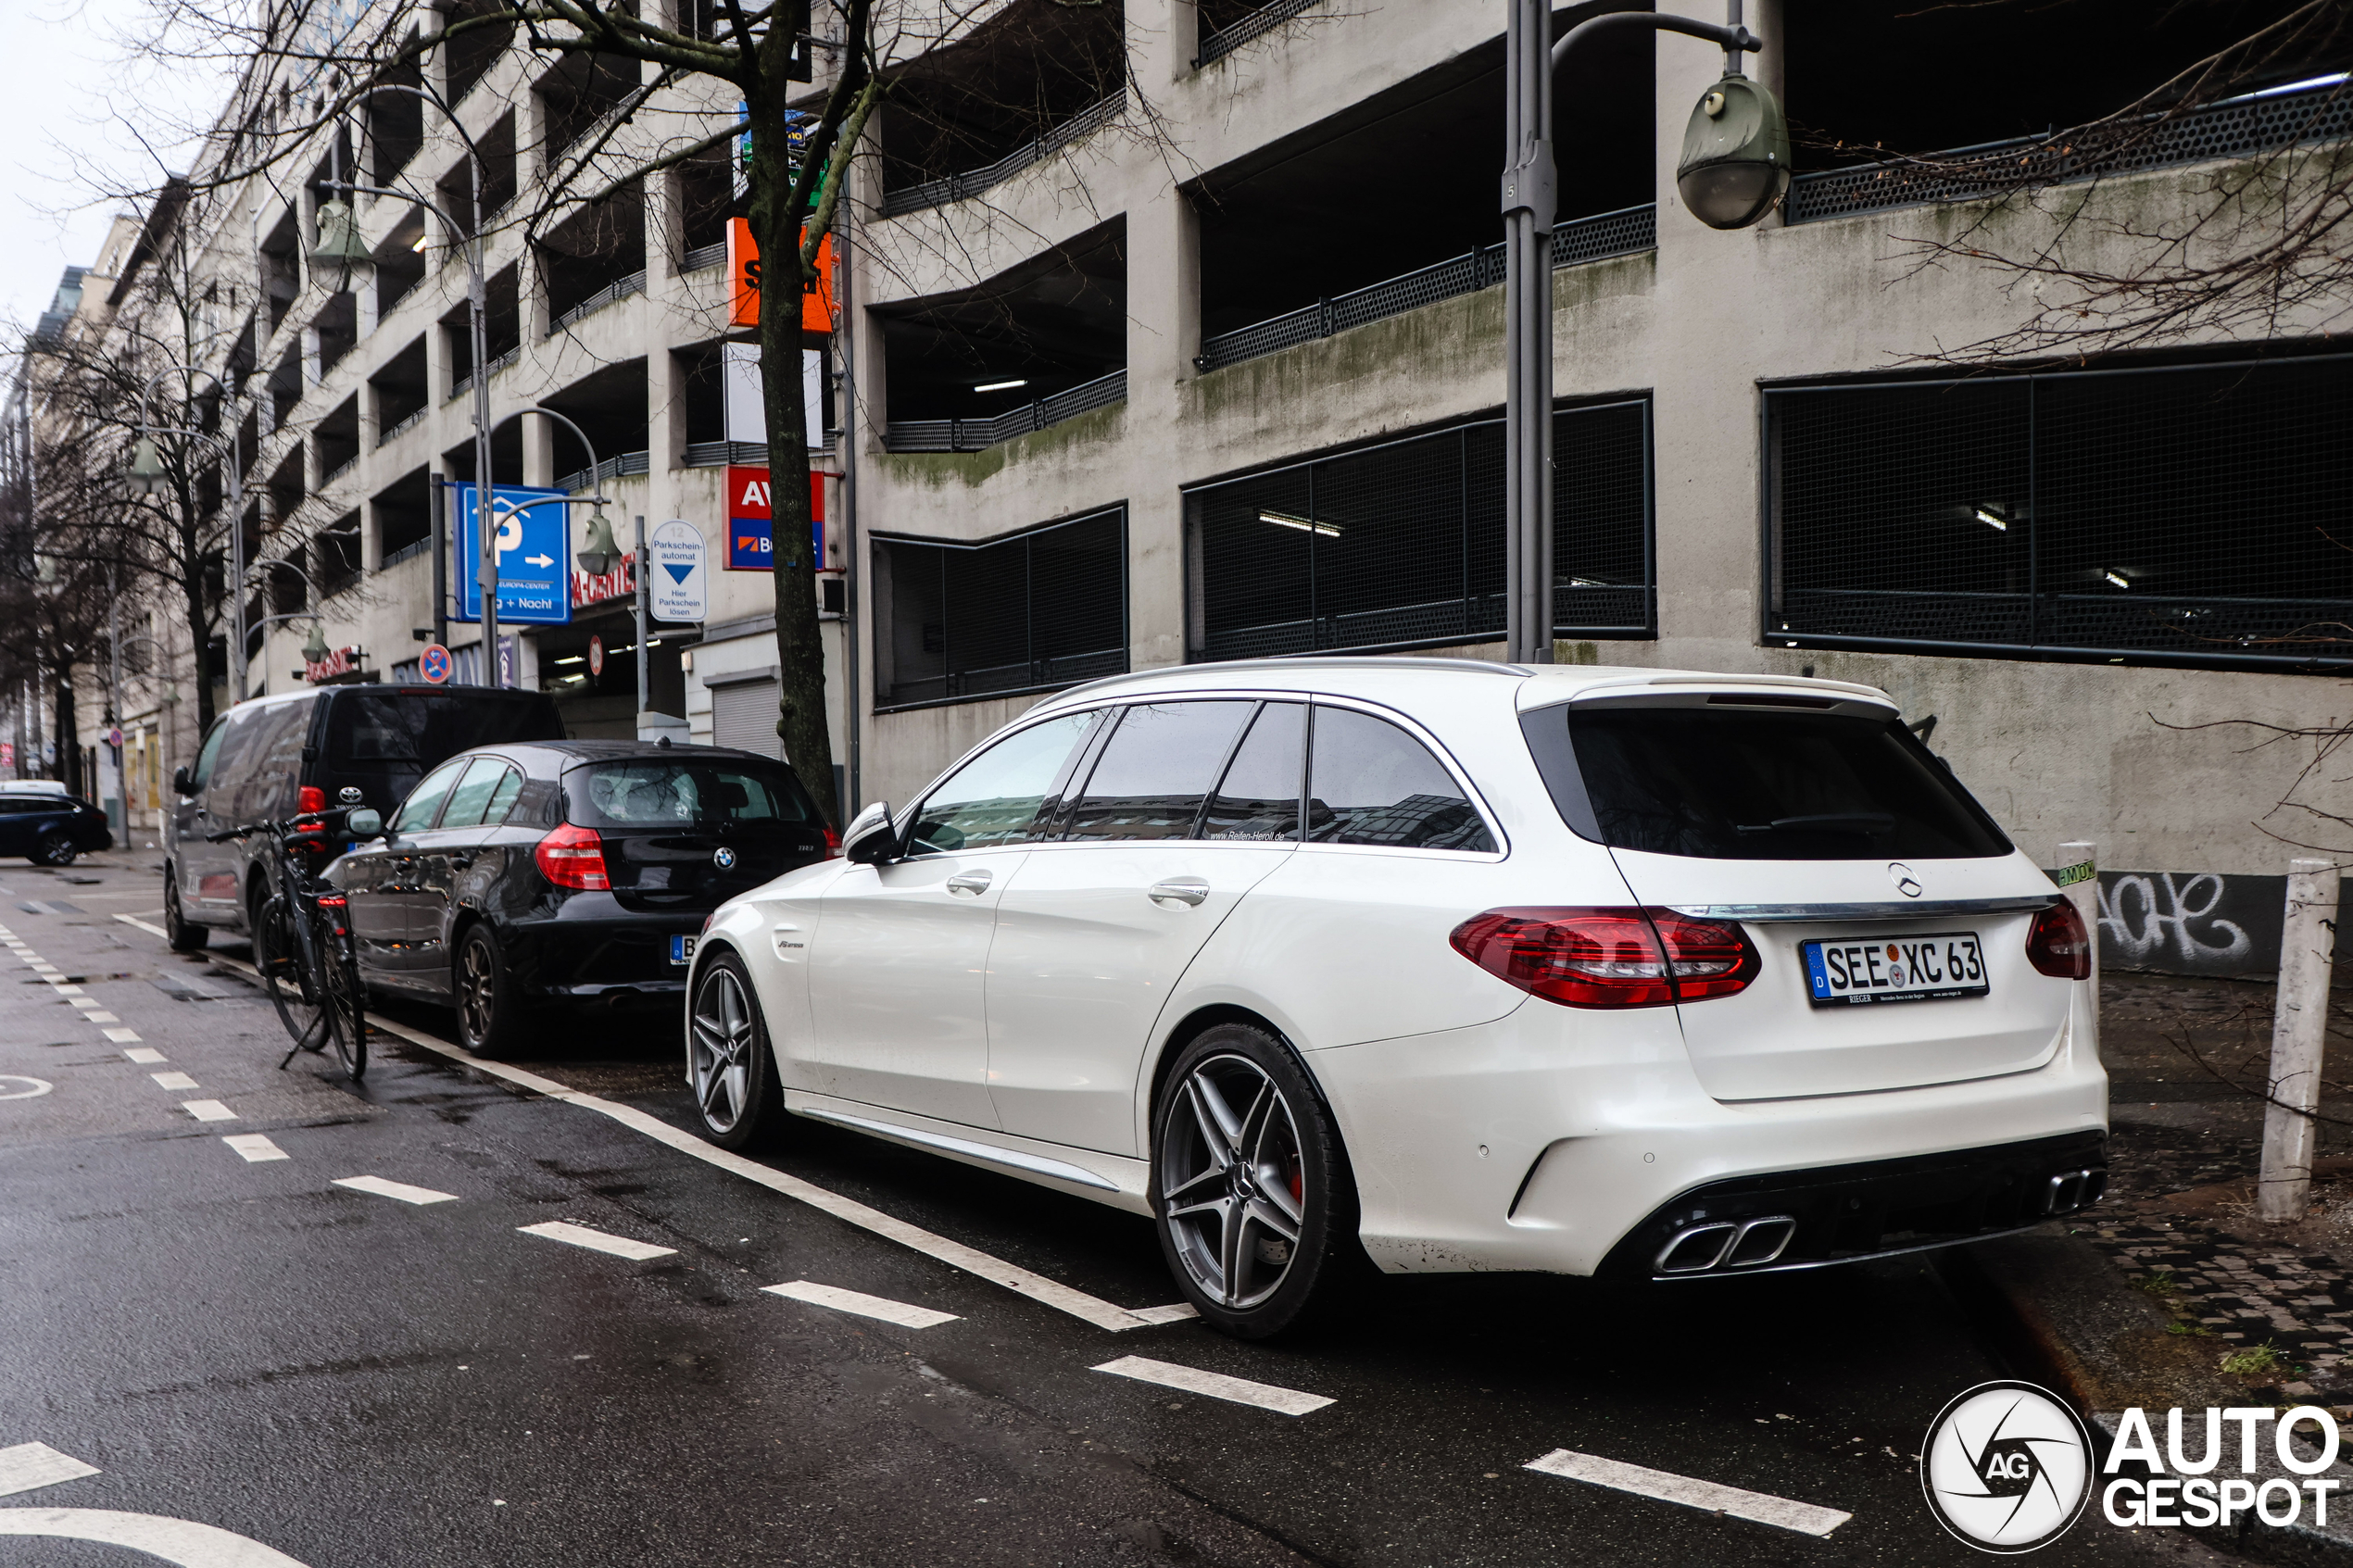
{"points": [[1570, 1142], [584, 953]]}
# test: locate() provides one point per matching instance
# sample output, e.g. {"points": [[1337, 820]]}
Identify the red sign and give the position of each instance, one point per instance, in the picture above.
{"points": [[750, 539], [341, 662], [743, 273], [618, 583], [596, 655], [434, 665]]}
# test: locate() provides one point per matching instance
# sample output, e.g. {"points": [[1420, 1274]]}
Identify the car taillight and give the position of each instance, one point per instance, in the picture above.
{"points": [[573, 856], [310, 799], [833, 844], [2057, 945], [1609, 957]]}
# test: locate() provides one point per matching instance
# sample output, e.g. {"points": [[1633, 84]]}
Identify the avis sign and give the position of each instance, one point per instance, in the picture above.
{"points": [[750, 521], [680, 586]]}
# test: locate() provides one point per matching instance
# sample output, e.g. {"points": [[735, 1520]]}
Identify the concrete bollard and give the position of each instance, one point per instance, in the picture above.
{"points": [[2299, 1027], [2079, 876]]}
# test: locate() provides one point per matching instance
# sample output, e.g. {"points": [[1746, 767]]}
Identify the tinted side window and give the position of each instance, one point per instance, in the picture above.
{"points": [[1769, 785], [416, 813], [273, 769], [231, 746], [1259, 798], [210, 756], [502, 799], [1156, 770], [466, 802], [997, 797], [1371, 782]]}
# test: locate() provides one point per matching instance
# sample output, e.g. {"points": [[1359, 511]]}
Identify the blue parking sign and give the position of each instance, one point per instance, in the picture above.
{"points": [[535, 555]]}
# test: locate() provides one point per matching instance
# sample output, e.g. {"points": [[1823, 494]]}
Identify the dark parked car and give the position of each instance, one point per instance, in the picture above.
{"points": [[567, 872], [50, 829], [333, 745]]}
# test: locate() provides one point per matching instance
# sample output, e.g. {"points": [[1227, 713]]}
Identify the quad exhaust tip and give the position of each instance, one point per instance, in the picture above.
{"points": [[2070, 1190], [1727, 1244]]}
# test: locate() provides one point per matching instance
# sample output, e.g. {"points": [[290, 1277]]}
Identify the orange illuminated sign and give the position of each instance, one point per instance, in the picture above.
{"points": [[743, 273]]}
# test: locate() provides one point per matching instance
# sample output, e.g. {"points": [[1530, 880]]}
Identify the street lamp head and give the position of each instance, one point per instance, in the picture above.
{"points": [[339, 242], [315, 651], [146, 474], [599, 549], [1735, 162]]}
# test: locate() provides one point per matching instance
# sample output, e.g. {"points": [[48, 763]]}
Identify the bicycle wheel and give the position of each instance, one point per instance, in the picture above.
{"points": [[346, 1004], [277, 953]]}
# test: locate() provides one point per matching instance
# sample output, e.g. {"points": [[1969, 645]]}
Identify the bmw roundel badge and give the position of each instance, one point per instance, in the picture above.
{"points": [[723, 858]]}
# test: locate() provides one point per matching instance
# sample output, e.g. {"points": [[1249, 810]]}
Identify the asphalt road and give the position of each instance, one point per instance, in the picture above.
{"points": [[354, 1379]]}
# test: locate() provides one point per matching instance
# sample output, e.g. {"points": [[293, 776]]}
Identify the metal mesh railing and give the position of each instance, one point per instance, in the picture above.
{"points": [[464, 383], [409, 551], [2177, 515], [406, 423], [1043, 608], [957, 187], [340, 470], [1402, 544], [2237, 127], [619, 288], [1623, 232], [611, 468], [701, 256], [972, 435], [1264, 20]]}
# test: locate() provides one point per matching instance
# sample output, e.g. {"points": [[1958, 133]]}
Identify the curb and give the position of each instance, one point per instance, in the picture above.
{"points": [[2059, 1310]]}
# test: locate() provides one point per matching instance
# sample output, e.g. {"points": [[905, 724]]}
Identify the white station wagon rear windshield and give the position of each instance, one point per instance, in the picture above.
{"points": [[1749, 783]]}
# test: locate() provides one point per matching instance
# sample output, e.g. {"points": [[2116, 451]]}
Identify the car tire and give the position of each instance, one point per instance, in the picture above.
{"points": [[180, 934], [1252, 1194], [494, 1019], [55, 847], [730, 1065]]}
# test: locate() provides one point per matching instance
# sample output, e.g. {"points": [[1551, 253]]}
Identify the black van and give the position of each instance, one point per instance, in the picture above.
{"points": [[303, 751]]}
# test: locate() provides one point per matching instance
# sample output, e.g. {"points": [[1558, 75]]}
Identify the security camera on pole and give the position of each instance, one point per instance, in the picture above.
{"points": [[1735, 165]]}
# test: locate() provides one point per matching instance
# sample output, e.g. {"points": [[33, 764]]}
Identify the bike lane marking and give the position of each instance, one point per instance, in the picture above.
{"points": [[208, 1110], [1708, 1496], [904, 1315], [1216, 1384], [597, 1241], [181, 1541], [145, 1056], [255, 1146], [177, 1081], [382, 1188], [30, 1465]]}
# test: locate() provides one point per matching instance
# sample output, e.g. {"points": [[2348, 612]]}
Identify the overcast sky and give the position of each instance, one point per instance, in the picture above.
{"points": [[71, 90]]}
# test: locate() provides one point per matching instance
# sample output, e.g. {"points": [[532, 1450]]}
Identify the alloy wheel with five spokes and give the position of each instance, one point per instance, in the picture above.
{"points": [[729, 1064]]}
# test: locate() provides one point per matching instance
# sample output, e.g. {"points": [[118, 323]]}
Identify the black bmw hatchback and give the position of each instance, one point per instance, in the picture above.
{"points": [[522, 877]]}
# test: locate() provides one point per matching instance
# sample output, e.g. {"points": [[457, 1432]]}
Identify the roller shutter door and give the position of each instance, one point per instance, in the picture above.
{"points": [[744, 716]]}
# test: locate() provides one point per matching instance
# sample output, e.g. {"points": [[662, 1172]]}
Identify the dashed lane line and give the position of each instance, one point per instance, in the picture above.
{"points": [[597, 1241], [382, 1188], [1709, 1495], [1216, 1384], [900, 1312], [145, 1056], [123, 1036], [155, 930], [173, 1081], [255, 1146], [30, 1465], [208, 1110], [100, 1018]]}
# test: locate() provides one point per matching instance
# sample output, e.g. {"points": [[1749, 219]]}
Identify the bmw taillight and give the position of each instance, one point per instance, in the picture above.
{"points": [[833, 844], [310, 799], [573, 856], [1609, 957], [2057, 945]]}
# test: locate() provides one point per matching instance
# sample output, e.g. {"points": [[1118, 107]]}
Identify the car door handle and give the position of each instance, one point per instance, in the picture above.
{"points": [[1179, 890], [970, 884]]}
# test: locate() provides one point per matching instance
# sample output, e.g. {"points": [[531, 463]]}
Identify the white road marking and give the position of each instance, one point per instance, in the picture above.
{"points": [[597, 1241], [173, 1080], [155, 930], [955, 1254], [38, 1086], [31, 1465], [401, 1190], [1216, 1384], [88, 1004], [1176, 1313], [148, 1055], [255, 1146], [100, 1018], [208, 1110], [175, 1541], [1804, 1517], [65, 989], [122, 1037], [858, 1301]]}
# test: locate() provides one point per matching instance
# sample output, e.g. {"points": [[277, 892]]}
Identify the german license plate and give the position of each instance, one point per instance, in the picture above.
{"points": [[682, 950], [1893, 969]]}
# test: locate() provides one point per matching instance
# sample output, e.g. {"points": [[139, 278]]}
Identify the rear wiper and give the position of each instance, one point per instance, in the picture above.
{"points": [[1825, 821]]}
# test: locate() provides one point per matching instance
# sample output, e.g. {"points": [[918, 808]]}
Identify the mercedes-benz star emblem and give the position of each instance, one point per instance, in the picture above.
{"points": [[723, 858], [1905, 882], [2007, 1467]]}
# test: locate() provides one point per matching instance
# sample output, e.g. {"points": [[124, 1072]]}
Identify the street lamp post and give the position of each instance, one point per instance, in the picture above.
{"points": [[1735, 162], [149, 477]]}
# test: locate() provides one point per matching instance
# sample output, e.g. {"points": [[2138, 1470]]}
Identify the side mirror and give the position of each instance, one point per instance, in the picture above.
{"points": [[872, 840], [181, 785], [365, 821]]}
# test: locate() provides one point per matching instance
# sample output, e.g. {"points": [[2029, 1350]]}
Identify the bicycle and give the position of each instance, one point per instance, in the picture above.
{"points": [[302, 943]]}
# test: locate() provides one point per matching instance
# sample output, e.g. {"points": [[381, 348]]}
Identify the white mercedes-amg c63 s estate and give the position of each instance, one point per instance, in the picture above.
{"points": [[1641, 973]]}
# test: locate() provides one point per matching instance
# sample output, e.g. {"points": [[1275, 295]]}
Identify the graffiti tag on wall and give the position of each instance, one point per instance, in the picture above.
{"points": [[2192, 922]]}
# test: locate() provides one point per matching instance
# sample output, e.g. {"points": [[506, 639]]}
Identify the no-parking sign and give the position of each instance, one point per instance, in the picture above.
{"points": [[433, 665]]}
